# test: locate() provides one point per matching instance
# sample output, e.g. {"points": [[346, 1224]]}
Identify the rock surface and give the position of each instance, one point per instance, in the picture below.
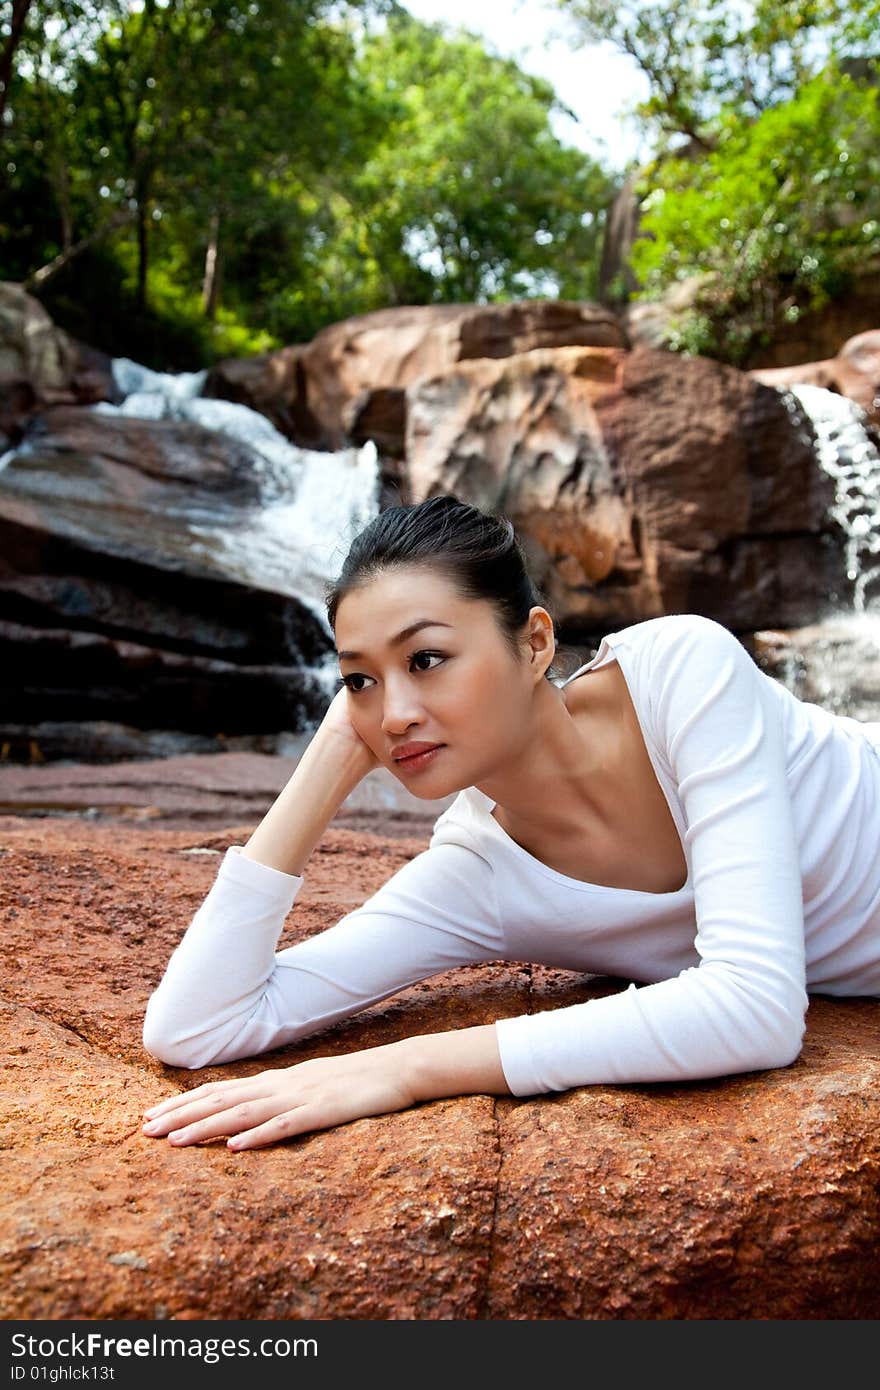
{"points": [[114, 607], [854, 372], [326, 385], [152, 601], [750, 1197], [642, 483], [201, 791], [42, 365]]}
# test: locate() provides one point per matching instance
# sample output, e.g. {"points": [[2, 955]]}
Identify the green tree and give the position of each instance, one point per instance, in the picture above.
{"points": [[189, 179], [777, 219], [469, 195], [703, 57]]}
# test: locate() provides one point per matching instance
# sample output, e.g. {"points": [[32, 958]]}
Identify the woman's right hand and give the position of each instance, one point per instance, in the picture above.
{"points": [[337, 724]]}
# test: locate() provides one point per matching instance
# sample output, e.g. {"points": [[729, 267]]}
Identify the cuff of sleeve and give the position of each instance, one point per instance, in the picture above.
{"points": [[237, 868], [512, 1036]]}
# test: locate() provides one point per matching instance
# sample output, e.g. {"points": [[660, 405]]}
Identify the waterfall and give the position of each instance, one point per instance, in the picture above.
{"points": [[846, 452], [838, 664], [311, 504]]}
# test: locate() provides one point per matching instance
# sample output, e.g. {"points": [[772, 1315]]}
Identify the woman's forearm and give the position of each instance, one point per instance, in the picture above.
{"points": [[327, 773], [461, 1062], [323, 1091]]}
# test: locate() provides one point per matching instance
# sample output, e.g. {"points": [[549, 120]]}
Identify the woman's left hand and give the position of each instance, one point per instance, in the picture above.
{"points": [[274, 1105]]}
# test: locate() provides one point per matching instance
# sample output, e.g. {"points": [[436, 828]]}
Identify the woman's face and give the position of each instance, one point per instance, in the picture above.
{"points": [[454, 682]]}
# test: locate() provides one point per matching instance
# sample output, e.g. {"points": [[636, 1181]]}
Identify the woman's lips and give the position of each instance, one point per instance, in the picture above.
{"points": [[418, 760]]}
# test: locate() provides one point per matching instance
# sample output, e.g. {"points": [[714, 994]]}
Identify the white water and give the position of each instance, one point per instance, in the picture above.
{"points": [[312, 504], [837, 666], [845, 451]]}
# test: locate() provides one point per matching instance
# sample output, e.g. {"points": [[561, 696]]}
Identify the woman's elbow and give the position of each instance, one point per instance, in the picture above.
{"points": [[779, 1045], [171, 1054], [168, 1046]]}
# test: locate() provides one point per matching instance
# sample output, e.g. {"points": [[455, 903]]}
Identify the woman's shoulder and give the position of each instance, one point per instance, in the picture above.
{"points": [[465, 822], [672, 646], [670, 627]]}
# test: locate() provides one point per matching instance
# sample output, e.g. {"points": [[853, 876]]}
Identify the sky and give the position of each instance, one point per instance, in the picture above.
{"points": [[597, 82]]}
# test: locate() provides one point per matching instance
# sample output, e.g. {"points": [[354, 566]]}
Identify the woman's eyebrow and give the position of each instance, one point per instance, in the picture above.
{"points": [[401, 636]]}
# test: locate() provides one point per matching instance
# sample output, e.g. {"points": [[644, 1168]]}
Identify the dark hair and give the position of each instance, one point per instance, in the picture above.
{"points": [[477, 551]]}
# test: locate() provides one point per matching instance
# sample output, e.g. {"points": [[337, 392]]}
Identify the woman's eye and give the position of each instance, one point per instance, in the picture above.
{"points": [[430, 655], [356, 676]]}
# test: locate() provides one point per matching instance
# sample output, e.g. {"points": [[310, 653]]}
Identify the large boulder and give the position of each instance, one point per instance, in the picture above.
{"points": [[116, 606], [318, 394], [274, 384], [642, 483], [42, 365], [748, 1197]]}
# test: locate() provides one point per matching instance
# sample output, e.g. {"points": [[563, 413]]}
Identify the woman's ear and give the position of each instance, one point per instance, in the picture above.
{"points": [[542, 639]]}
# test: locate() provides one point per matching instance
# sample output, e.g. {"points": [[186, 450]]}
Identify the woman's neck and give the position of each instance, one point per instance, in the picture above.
{"points": [[562, 779]]}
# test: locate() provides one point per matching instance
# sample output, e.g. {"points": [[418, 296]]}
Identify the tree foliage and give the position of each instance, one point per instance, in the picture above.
{"points": [[189, 178], [702, 57], [765, 186], [778, 218]]}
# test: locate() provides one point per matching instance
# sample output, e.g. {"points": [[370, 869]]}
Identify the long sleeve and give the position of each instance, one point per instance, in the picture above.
{"points": [[742, 1008], [226, 992]]}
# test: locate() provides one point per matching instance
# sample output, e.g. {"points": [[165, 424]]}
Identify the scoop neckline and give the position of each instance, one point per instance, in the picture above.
{"points": [[581, 884]]}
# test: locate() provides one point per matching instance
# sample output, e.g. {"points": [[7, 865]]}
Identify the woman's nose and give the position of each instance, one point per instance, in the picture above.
{"points": [[401, 710]]}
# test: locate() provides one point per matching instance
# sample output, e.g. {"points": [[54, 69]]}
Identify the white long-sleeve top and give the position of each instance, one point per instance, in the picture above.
{"points": [[777, 802]]}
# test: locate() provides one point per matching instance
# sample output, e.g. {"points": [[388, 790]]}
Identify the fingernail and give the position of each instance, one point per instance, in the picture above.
{"points": [[150, 1126]]}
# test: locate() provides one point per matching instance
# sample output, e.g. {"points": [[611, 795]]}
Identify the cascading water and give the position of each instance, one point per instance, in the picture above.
{"points": [[844, 654], [311, 503], [845, 451]]}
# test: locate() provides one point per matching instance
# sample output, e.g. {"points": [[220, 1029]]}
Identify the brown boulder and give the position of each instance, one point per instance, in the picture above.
{"points": [[42, 365], [642, 483], [320, 394], [854, 372], [746, 1197], [175, 454], [31, 346], [115, 606], [274, 384], [193, 790]]}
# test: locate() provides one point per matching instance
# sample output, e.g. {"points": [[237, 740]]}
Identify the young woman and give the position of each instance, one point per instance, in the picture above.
{"points": [[669, 815]]}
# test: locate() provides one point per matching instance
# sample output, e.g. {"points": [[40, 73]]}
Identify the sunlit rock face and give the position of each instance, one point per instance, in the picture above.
{"points": [[320, 393], [643, 483], [42, 365], [708, 1199], [165, 552]]}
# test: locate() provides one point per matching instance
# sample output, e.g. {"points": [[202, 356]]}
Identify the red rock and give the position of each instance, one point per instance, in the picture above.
{"points": [[746, 1197], [641, 482], [320, 394]]}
